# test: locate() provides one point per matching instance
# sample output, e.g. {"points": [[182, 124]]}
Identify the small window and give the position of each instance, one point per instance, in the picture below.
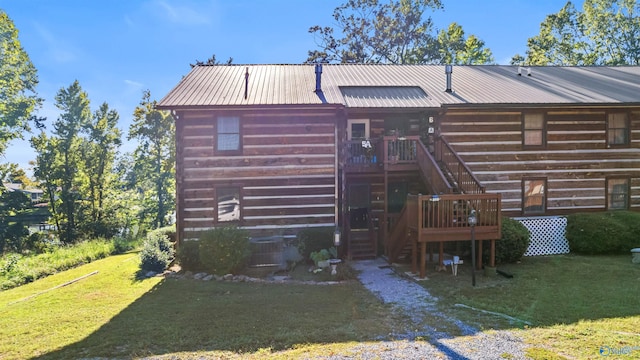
{"points": [[228, 204], [228, 132], [534, 199], [357, 129], [617, 129], [533, 130], [617, 194]]}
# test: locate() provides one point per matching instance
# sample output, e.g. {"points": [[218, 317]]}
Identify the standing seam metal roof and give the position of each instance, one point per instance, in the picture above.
{"points": [[400, 86]]}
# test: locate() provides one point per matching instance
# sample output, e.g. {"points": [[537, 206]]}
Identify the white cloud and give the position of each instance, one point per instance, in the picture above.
{"points": [[57, 49], [133, 84], [181, 14]]}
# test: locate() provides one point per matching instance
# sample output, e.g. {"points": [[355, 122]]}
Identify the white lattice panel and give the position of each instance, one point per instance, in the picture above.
{"points": [[547, 235]]}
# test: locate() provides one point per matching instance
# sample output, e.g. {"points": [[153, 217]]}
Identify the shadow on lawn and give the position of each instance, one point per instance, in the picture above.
{"points": [[189, 315]]}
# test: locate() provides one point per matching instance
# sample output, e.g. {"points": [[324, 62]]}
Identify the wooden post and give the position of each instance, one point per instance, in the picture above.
{"points": [[441, 254], [423, 259], [492, 258], [480, 254], [414, 254]]}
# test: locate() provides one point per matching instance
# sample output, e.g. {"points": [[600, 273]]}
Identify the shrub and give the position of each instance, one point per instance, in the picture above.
{"points": [[513, 244], [224, 250], [156, 253], [168, 231], [612, 232], [122, 245], [188, 255], [314, 240]]}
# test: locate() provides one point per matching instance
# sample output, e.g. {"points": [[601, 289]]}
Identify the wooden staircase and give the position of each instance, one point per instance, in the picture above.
{"points": [[443, 215]]}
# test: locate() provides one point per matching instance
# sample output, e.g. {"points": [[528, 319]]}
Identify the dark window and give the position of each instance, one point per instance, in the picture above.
{"points": [[358, 131], [617, 194], [617, 129], [534, 199], [533, 130], [228, 204], [228, 134]]}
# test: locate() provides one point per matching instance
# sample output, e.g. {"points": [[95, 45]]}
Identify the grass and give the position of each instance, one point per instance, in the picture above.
{"points": [[575, 304], [16, 269], [115, 314]]}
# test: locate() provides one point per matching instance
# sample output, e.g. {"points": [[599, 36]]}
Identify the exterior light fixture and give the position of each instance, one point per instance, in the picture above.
{"points": [[472, 221], [336, 237]]}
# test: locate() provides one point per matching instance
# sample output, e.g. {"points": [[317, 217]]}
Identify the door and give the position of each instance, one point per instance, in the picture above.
{"points": [[361, 238], [359, 206]]}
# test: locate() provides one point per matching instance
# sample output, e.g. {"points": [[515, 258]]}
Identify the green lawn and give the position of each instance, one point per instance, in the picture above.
{"points": [[113, 314], [575, 304]]}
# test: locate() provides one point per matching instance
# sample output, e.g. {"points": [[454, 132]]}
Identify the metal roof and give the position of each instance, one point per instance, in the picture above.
{"points": [[403, 86]]}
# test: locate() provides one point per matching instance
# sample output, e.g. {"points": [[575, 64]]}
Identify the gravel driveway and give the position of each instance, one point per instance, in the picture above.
{"points": [[416, 302]]}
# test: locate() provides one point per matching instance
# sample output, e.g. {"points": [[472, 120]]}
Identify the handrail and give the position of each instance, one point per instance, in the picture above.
{"points": [[451, 212], [432, 172], [466, 180]]}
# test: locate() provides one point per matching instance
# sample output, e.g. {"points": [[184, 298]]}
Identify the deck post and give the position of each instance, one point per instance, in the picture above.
{"points": [[492, 258], [414, 255], [423, 259], [480, 254], [441, 254]]}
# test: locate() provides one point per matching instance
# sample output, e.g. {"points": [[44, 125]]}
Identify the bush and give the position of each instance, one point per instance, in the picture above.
{"points": [[157, 252], [122, 245], [314, 240], [612, 232], [188, 255], [168, 231], [513, 244], [224, 250]]}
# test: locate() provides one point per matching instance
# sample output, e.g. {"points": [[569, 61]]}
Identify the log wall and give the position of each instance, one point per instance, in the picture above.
{"points": [[286, 170], [575, 160]]}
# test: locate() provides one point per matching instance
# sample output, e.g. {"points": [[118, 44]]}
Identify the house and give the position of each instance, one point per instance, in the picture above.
{"points": [[397, 156], [32, 193]]}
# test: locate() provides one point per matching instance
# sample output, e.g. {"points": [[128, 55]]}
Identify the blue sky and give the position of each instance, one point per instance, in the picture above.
{"points": [[116, 49]]}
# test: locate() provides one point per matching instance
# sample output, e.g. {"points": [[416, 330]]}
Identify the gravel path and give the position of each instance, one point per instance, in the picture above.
{"points": [[416, 302]]}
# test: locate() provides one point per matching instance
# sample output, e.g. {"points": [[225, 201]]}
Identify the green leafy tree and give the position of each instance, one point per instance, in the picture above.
{"points": [[13, 230], [393, 32], [455, 48], [100, 149], [18, 80], [154, 159], [46, 170], [75, 116], [605, 32]]}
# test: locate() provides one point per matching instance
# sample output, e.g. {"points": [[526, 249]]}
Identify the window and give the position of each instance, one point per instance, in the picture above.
{"points": [[617, 194], [228, 134], [533, 130], [228, 204], [617, 129], [534, 199], [357, 129]]}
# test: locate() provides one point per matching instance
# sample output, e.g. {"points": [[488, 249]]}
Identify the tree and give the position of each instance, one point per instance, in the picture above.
{"points": [[103, 140], [605, 32], [46, 171], [455, 49], [212, 61], [18, 80], [76, 115], [154, 158], [393, 32]]}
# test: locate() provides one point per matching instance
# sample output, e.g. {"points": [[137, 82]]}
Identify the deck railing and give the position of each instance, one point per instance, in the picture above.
{"points": [[465, 180], [362, 152]]}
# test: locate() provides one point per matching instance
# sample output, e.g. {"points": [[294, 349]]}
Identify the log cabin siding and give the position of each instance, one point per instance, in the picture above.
{"points": [[286, 171], [575, 160]]}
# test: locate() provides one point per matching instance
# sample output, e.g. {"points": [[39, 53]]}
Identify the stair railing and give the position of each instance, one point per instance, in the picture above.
{"points": [[465, 180]]}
